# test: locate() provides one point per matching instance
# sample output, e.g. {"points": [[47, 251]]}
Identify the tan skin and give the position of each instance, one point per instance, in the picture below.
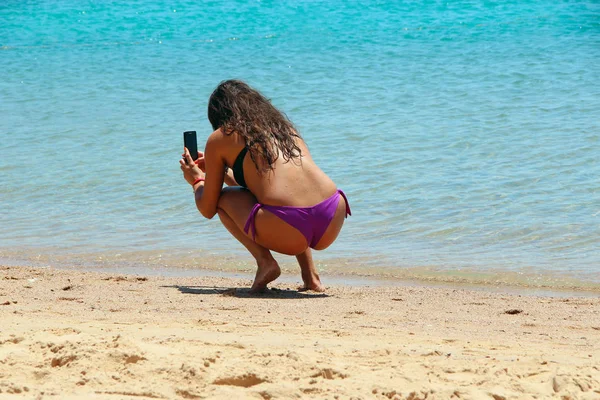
{"points": [[293, 183]]}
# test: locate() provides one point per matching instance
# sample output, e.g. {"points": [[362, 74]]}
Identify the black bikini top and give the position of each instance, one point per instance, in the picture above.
{"points": [[238, 168]]}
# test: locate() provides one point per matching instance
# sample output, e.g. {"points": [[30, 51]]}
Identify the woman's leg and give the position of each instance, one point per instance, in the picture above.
{"points": [[267, 268], [310, 277], [235, 205]]}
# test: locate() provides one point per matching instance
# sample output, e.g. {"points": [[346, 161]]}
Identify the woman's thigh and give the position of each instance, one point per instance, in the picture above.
{"points": [[271, 232]]}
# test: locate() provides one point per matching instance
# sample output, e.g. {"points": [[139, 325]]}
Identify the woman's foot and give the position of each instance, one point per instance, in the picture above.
{"points": [[313, 283], [266, 273], [310, 277]]}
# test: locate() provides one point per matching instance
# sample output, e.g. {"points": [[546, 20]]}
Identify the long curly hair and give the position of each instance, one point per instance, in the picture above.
{"points": [[236, 107]]}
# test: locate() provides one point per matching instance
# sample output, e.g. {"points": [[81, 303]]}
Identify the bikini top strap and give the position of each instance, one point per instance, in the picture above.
{"points": [[238, 167], [250, 222], [348, 212]]}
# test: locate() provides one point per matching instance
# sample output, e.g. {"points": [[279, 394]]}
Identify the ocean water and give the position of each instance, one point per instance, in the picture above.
{"points": [[466, 134]]}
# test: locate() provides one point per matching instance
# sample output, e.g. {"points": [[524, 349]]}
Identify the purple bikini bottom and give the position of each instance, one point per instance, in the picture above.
{"points": [[312, 222]]}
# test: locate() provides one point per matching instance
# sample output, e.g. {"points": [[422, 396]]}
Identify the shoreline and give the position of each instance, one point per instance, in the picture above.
{"points": [[357, 271], [402, 278], [74, 334]]}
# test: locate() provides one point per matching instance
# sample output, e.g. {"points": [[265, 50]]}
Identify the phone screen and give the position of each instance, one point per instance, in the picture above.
{"points": [[189, 141]]}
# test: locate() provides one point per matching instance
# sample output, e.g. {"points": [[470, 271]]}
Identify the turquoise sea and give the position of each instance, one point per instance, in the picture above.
{"points": [[466, 133]]}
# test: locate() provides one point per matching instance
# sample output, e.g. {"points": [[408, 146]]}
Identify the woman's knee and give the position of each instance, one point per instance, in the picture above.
{"points": [[236, 204], [235, 196], [222, 214]]}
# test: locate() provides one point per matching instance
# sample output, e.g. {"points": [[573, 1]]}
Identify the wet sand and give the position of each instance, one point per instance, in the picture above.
{"points": [[85, 335]]}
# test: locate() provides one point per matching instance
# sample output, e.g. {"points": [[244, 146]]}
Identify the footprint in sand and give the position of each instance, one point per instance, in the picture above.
{"points": [[127, 358], [13, 389], [13, 340], [246, 380], [328, 373], [62, 361], [186, 394]]}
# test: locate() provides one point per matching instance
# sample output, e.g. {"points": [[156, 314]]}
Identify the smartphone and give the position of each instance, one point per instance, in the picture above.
{"points": [[189, 141]]}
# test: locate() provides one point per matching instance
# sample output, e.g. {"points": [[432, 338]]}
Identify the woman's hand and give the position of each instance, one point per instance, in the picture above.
{"points": [[200, 161], [191, 171]]}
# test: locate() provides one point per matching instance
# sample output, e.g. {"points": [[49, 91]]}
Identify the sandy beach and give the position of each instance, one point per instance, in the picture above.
{"points": [[85, 335]]}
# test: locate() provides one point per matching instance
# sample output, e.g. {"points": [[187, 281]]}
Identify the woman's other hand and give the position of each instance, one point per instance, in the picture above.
{"points": [[200, 161], [190, 170]]}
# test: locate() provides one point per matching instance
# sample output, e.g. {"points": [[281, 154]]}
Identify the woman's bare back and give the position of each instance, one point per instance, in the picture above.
{"points": [[298, 182]]}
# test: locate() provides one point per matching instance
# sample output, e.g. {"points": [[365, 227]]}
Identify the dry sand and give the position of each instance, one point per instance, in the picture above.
{"points": [[84, 335]]}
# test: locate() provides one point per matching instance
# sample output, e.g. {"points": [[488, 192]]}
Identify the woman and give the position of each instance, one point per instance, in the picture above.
{"points": [[277, 198]]}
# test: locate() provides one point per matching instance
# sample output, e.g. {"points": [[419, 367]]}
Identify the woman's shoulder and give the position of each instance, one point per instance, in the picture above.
{"points": [[219, 140], [221, 137], [217, 136], [225, 146]]}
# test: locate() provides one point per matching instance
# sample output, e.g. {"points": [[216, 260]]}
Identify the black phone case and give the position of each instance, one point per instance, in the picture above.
{"points": [[189, 141]]}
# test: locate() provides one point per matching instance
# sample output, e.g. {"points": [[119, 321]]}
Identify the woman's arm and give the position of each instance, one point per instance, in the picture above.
{"points": [[208, 193], [207, 185], [229, 178]]}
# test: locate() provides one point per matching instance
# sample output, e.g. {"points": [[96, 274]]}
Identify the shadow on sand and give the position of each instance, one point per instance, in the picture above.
{"points": [[273, 293]]}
